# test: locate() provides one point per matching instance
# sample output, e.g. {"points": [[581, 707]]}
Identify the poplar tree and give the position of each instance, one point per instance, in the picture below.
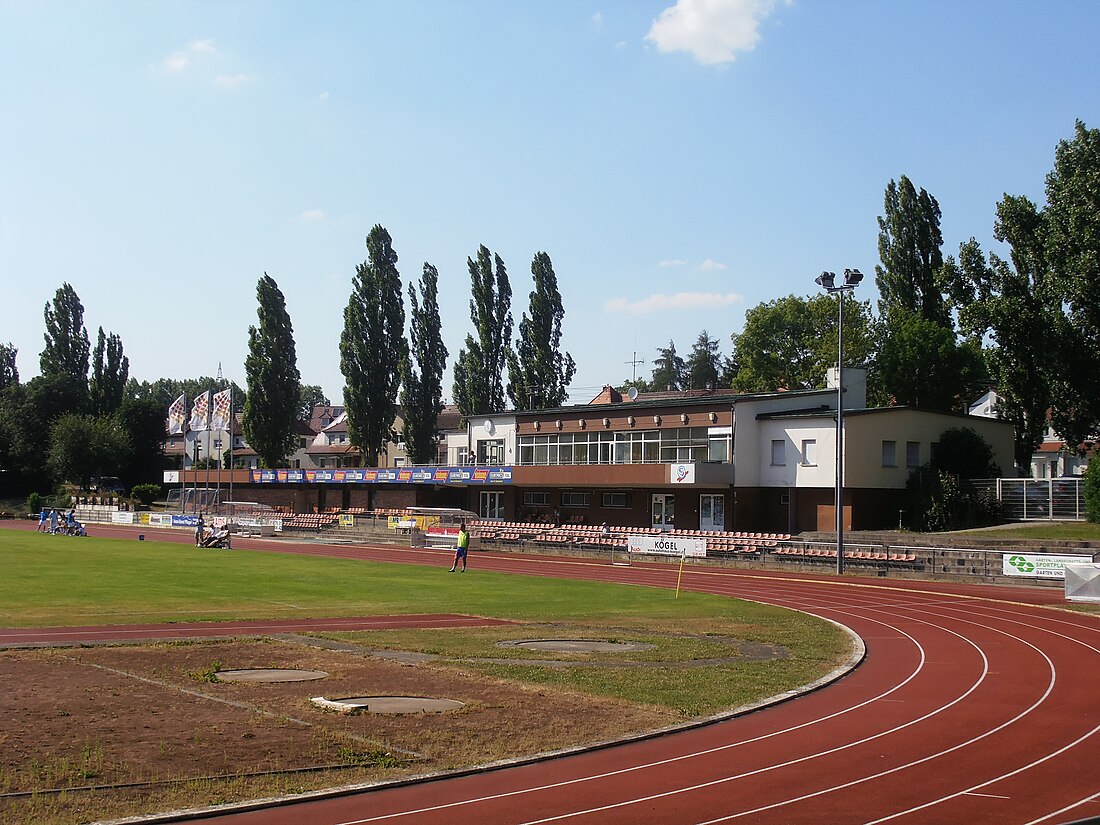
{"points": [[110, 371], [274, 383], [9, 372], [67, 346], [538, 372], [372, 347], [478, 372], [422, 370]]}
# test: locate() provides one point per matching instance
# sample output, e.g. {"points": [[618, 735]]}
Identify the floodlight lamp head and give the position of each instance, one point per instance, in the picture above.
{"points": [[852, 277], [826, 279]]}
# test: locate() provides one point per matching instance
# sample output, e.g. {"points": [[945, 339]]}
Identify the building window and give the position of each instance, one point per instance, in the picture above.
{"points": [[616, 499], [779, 458], [573, 499], [536, 499], [490, 451], [912, 454], [809, 452], [889, 454]]}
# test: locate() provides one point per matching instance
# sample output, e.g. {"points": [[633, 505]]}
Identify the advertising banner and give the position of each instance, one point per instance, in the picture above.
{"points": [[171, 476], [403, 475], [122, 517], [347, 520], [681, 473], [667, 546], [1039, 565], [185, 521]]}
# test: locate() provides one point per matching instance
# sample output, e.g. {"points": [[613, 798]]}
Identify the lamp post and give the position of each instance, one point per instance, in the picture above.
{"points": [[827, 280]]}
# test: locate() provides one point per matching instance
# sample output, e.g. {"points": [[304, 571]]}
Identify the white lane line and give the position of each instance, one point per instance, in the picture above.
{"points": [[671, 760]]}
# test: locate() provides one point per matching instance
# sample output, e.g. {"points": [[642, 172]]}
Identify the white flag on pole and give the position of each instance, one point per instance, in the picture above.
{"points": [[219, 416], [200, 413], [177, 415]]}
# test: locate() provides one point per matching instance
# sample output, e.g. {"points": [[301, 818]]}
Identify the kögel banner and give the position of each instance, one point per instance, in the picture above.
{"points": [[665, 545]]}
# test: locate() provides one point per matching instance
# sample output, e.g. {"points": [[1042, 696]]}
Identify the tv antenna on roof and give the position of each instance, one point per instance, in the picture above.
{"points": [[634, 362]]}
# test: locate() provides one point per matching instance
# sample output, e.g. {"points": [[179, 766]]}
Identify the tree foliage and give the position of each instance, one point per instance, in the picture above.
{"points": [[372, 347], [143, 422], [83, 446], [703, 364], [110, 371], [67, 346], [478, 372], [538, 372], [1092, 492], [9, 372], [791, 342], [311, 396], [274, 384], [669, 370], [964, 453], [909, 244], [921, 364], [1073, 251], [422, 371]]}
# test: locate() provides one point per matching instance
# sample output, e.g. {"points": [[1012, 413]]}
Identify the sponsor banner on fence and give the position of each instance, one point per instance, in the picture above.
{"points": [[1039, 565], [347, 520], [404, 475], [171, 476], [185, 521], [667, 545], [122, 517], [159, 519]]}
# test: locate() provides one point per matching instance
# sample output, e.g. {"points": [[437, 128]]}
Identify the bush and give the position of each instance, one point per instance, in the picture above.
{"points": [[941, 501], [34, 503], [1092, 490], [146, 493]]}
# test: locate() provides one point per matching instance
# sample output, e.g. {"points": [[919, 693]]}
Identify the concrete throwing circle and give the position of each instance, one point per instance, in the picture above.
{"points": [[578, 645], [269, 674], [387, 704]]}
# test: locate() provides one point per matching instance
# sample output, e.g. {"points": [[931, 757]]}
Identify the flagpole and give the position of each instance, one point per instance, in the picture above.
{"points": [[209, 415], [221, 452], [232, 421]]}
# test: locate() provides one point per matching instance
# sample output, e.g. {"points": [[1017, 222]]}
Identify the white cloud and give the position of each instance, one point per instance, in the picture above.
{"points": [[713, 31], [671, 262], [323, 96], [312, 215], [597, 18], [179, 60], [710, 265], [175, 62], [202, 46], [232, 81], [681, 300]]}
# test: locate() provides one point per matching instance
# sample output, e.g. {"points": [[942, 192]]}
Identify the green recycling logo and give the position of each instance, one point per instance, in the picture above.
{"points": [[1022, 564]]}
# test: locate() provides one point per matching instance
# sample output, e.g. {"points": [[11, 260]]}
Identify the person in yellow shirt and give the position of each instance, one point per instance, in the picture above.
{"points": [[461, 548]]}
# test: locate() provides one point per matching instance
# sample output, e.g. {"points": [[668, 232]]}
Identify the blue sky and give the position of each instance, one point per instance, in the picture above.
{"points": [[680, 163]]}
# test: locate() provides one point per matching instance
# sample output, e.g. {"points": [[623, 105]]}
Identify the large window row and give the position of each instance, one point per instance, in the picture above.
{"points": [[665, 446]]}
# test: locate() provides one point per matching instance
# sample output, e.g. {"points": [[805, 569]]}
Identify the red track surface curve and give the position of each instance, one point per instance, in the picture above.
{"points": [[973, 705]]}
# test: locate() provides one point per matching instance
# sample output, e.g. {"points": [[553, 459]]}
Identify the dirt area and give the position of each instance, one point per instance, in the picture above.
{"points": [[149, 715]]}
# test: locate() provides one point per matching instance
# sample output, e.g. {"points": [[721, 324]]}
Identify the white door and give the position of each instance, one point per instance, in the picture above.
{"points": [[664, 512], [491, 505], [712, 512]]}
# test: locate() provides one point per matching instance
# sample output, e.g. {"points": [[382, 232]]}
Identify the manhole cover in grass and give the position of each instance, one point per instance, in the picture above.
{"points": [[387, 704], [578, 645], [269, 674]]}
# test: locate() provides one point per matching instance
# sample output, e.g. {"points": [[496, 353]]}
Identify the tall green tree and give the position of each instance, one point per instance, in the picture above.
{"points": [[920, 364], [909, 245], [478, 372], [29, 412], [1073, 251], [143, 423], [422, 371], [668, 370], [703, 363], [539, 373], [1017, 307], [9, 372], [372, 347], [110, 371], [67, 345], [274, 384], [791, 342]]}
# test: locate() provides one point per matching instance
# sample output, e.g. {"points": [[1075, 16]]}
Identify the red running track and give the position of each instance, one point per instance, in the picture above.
{"points": [[973, 705]]}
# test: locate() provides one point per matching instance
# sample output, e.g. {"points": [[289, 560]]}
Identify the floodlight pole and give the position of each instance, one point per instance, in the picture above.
{"points": [[827, 280]]}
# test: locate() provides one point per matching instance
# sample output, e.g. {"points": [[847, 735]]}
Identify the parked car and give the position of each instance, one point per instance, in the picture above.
{"points": [[108, 484]]}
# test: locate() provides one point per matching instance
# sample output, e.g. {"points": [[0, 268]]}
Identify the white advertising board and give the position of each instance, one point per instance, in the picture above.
{"points": [[122, 517], [171, 476], [681, 473], [1039, 565], [667, 546]]}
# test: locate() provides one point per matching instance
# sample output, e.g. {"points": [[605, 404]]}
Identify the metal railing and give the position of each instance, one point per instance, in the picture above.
{"points": [[1037, 499]]}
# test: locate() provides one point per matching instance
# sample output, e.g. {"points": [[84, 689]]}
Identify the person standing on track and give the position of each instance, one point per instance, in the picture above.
{"points": [[462, 547], [200, 530]]}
